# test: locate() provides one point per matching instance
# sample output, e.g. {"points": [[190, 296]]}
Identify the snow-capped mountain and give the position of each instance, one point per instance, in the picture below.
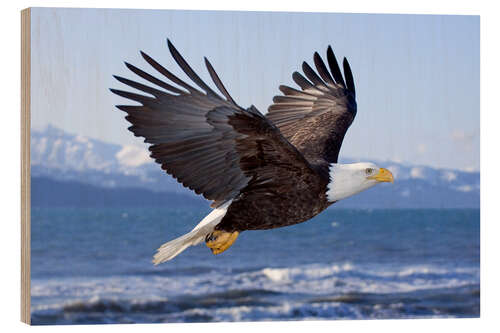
{"points": [[61, 156]]}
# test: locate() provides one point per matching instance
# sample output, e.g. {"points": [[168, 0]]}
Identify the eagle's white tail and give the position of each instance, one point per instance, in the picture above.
{"points": [[171, 249]]}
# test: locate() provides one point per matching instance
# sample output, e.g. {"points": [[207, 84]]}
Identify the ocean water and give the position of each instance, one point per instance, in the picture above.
{"points": [[93, 265]]}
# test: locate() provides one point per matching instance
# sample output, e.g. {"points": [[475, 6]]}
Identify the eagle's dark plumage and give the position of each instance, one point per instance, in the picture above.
{"points": [[252, 167]]}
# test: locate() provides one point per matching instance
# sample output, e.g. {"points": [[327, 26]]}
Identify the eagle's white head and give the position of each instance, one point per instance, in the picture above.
{"points": [[350, 179]]}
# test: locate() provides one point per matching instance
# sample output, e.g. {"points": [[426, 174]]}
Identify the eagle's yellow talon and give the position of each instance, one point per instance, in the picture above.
{"points": [[219, 241]]}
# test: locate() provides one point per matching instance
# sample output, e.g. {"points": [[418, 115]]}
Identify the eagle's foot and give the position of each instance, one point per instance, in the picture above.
{"points": [[219, 241]]}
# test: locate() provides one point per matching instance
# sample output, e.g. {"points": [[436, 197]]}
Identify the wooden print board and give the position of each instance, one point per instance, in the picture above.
{"points": [[25, 165], [374, 139]]}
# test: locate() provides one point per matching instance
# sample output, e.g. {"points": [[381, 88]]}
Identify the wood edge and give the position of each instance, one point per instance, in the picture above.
{"points": [[25, 166]]}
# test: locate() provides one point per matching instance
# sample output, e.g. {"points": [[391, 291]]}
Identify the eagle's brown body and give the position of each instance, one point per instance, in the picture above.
{"points": [[249, 212]]}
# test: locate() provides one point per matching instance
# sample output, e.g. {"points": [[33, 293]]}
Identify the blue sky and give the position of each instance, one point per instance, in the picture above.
{"points": [[417, 76]]}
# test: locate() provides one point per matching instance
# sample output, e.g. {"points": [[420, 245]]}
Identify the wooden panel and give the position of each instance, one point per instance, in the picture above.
{"points": [[25, 165]]}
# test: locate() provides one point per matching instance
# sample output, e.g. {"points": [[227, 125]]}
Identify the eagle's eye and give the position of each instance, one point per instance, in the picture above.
{"points": [[369, 171]]}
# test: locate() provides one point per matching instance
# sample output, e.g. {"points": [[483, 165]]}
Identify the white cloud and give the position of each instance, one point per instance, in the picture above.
{"points": [[133, 156], [449, 176], [458, 135], [417, 173], [421, 148], [466, 140]]}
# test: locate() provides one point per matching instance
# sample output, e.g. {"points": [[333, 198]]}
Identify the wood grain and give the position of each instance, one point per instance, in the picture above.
{"points": [[25, 165]]}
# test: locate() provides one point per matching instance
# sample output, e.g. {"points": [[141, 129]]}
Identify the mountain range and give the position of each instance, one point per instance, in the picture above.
{"points": [[64, 165]]}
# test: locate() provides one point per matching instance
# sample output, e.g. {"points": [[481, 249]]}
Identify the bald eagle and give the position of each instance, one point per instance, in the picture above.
{"points": [[259, 171]]}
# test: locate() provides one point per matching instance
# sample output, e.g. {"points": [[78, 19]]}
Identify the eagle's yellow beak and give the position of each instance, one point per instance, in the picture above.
{"points": [[383, 175]]}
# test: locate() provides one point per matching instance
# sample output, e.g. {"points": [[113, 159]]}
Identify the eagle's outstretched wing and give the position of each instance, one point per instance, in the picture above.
{"points": [[316, 118], [206, 141]]}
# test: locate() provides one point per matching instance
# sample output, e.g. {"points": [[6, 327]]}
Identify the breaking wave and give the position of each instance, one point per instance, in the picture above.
{"points": [[287, 293]]}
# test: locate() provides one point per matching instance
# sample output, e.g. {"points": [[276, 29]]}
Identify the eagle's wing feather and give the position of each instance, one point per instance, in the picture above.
{"points": [[316, 118], [208, 143]]}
